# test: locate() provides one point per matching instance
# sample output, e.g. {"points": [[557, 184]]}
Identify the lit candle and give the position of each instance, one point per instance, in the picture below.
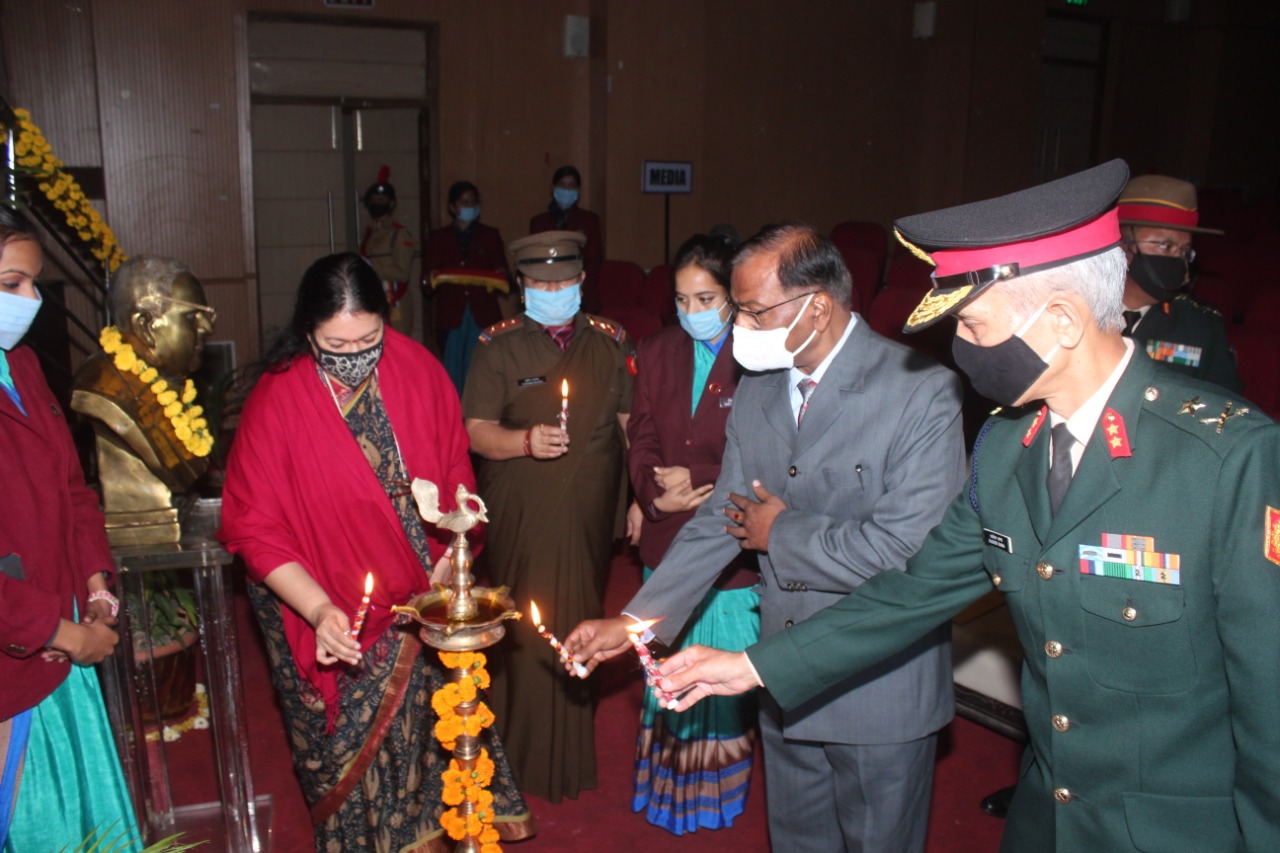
{"points": [[665, 699], [565, 657], [564, 404], [364, 607]]}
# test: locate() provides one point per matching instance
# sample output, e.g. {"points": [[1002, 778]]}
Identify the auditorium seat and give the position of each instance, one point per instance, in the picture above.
{"points": [[621, 285], [639, 321], [1258, 363], [907, 272], [864, 246], [659, 293]]}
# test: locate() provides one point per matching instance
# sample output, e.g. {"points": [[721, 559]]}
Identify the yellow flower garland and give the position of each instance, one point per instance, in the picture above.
{"points": [[32, 151], [191, 429], [462, 785]]}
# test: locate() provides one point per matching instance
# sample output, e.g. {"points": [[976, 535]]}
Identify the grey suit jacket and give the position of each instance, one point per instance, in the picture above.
{"points": [[879, 457]]}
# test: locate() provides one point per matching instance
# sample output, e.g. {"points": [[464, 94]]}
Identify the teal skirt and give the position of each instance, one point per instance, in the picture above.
{"points": [[693, 769], [72, 785]]}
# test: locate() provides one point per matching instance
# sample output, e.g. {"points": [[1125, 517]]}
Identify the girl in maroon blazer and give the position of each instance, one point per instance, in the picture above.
{"points": [[60, 777], [692, 770]]}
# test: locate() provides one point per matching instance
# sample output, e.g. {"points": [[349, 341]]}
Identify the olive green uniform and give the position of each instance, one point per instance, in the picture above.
{"points": [[1152, 704], [551, 525], [1189, 336]]}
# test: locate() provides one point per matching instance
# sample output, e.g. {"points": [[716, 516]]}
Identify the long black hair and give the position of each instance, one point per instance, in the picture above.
{"points": [[333, 285]]}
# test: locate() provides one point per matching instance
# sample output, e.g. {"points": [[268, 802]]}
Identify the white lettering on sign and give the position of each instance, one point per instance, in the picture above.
{"points": [[667, 177]]}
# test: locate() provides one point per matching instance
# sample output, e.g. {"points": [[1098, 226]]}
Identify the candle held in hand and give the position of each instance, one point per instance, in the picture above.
{"points": [[364, 607], [665, 699], [564, 404], [565, 657]]}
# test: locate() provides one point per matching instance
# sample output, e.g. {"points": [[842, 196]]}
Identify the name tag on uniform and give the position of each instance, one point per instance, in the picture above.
{"points": [[1175, 353], [726, 402], [531, 380], [997, 540], [1132, 558]]}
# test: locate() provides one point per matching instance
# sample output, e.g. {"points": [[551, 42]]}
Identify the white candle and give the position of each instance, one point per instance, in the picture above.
{"points": [[665, 699], [564, 404]]}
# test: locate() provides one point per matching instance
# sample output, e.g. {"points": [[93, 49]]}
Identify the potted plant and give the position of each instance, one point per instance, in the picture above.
{"points": [[164, 632]]}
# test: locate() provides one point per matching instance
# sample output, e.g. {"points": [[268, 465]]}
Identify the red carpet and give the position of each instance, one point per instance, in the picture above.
{"points": [[972, 763]]}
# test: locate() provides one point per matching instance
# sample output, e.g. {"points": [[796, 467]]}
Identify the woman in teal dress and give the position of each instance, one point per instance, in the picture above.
{"points": [[692, 769], [60, 777]]}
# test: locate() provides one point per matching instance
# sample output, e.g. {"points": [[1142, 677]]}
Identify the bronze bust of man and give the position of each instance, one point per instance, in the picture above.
{"points": [[147, 454]]}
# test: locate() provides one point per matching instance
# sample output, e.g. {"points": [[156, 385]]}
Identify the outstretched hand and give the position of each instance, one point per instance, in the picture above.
{"points": [[699, 671], [597, 640]]}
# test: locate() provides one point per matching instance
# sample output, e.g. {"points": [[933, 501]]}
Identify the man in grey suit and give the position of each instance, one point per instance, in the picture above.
{"points": [[831, 483]]}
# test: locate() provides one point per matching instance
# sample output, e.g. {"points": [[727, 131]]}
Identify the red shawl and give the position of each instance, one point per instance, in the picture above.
{"points": [[298, 489]]}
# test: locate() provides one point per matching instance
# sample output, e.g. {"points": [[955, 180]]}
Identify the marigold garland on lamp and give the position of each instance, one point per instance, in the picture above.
{"points": [[461, 714]]}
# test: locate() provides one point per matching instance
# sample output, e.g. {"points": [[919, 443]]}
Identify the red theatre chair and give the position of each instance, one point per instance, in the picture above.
{"points": [[659, 293], [864, 246], [621, 285]]}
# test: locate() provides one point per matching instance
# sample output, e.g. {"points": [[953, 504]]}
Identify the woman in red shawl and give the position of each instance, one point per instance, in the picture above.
{"points": [[347, 413]]}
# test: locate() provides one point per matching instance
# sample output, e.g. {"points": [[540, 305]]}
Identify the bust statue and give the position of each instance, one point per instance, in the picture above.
{"points": [[151, 443]]}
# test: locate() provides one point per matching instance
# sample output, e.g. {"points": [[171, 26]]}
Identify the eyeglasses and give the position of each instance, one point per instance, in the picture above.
{"points": [[1168, 248], [755, 315], [194, 306]]}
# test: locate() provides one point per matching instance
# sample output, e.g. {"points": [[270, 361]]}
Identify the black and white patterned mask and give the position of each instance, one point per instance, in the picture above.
{"points": [[349, 368]]}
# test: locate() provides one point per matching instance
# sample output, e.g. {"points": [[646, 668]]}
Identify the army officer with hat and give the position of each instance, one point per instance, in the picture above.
{"points": [[1158, 218], [554, 489], [1131, 516]]}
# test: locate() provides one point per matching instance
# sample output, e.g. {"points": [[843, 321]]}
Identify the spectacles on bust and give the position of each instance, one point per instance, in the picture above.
{"points": [[1168, 248], [755, 315], [194, 306]]}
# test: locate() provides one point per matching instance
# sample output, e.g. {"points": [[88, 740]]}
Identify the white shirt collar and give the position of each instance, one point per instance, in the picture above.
{"points": [[796, 374], [1082, 424]]}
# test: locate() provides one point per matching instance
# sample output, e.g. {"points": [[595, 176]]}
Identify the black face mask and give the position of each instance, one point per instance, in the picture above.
{"points": [[1160, 276], [1004, 372], [349, 368], [377, 211]]}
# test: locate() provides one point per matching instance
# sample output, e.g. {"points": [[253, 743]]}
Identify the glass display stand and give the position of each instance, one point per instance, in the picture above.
{"points": [[239, 822]]}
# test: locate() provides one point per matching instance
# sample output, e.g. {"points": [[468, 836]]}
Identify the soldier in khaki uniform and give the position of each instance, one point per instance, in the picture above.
{"points": [[1133, 522], [1158, 218], [388, 247], [554, 497]]}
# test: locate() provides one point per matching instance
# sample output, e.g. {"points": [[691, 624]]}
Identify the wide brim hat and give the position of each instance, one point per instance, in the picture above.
{"points": [[1159, 201], [549, 255], [972, 246]]}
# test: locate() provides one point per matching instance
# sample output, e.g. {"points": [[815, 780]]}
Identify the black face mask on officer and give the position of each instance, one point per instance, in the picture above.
{"points": [[1159, 276], [1003, 372], [377, 211]]}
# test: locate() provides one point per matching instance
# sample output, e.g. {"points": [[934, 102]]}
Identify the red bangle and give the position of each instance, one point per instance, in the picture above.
{"points": [[528, 448]]}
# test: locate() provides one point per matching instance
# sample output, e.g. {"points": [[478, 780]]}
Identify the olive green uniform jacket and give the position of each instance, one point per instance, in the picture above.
{"points": [[1153, 708], [1189, 337]]}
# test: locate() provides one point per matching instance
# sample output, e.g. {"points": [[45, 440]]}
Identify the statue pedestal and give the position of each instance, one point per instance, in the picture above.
{"points": [[238, 822]]}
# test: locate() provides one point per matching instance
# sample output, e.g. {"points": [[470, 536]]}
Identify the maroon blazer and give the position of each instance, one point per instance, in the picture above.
{"points": [[663, 433], [50, 519], [486, 252], [578, 219]]}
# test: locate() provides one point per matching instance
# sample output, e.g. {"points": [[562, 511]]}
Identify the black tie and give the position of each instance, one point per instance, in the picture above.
{"points": [[1131, 319], [1059, 478]]}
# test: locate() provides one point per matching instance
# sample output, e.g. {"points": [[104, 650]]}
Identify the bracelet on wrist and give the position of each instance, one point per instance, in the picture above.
{"points": [[103, 595], [528, 447]]}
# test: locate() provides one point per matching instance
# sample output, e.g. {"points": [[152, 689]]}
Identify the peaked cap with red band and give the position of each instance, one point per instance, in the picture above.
{"points": [[1158, 201], [973, 246]]}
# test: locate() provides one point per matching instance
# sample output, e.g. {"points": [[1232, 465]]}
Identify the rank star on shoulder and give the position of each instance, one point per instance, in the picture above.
{"points": [[1190, 407]]}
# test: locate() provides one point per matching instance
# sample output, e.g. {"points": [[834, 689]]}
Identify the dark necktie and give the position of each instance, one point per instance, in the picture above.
{"points": [[1059, 478], [1131, 319], [806, 387]]}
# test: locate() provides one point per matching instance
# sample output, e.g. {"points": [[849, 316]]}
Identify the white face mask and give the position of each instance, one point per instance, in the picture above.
{"points": [[766, 349]]}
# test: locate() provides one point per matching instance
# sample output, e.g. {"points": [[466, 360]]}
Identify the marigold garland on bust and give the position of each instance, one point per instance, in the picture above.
{"points": [[461, 784], [188, 424], [33, 152]]}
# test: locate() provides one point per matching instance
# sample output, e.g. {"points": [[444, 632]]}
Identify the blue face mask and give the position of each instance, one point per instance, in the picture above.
{"points": [[552, 308], [16, 316], [565, 198], [468, 214], [703, 325]]}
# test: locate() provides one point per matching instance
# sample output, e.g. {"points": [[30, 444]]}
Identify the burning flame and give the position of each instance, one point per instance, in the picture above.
{"points": [[368, 584], [641, 627], [564, 387], [534, 614]]}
